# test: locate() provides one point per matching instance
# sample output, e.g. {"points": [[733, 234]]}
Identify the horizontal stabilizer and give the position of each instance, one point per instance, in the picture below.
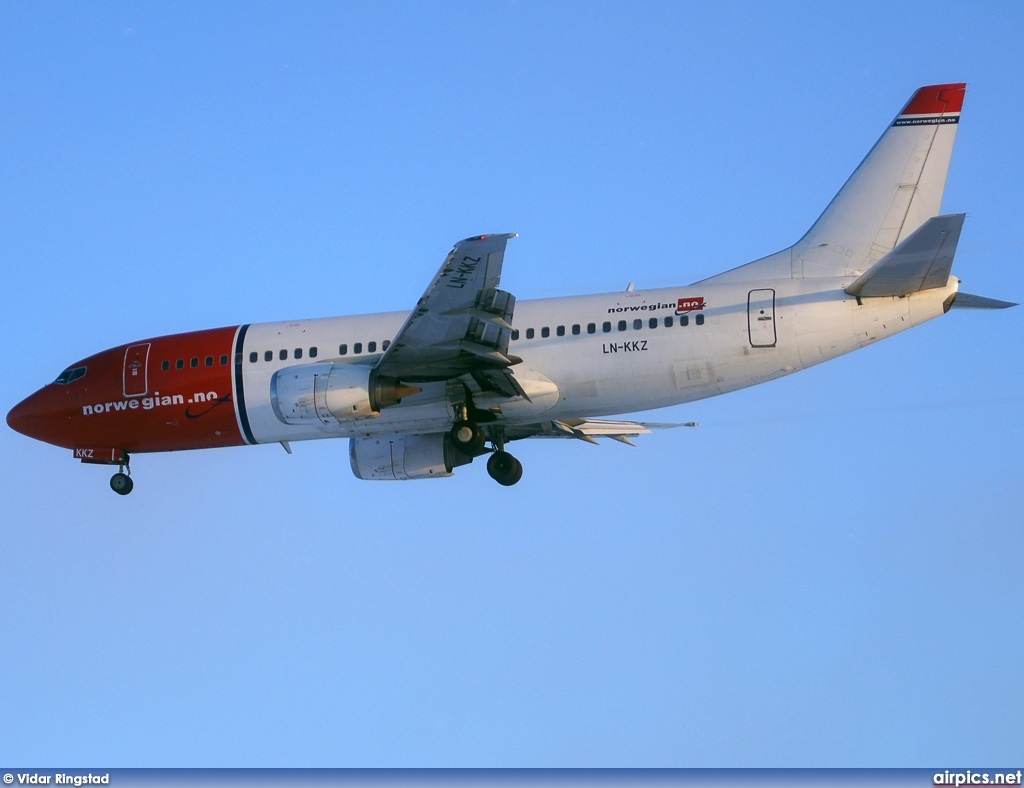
{"points": [[921, 262], [968, 301]]}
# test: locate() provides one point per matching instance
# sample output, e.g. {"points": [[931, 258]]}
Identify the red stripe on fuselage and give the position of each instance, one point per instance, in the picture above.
{"points": [[191, 407]]}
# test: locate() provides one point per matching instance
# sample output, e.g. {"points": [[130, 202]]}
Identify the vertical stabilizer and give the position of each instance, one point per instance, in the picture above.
{"points": [[895, 190]]}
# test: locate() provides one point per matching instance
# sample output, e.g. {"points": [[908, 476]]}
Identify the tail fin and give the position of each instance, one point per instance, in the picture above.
{"points": [[895, 190]]}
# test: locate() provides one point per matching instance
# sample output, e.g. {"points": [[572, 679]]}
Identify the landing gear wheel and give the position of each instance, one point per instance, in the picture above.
{"points": [[468, 438], [504, 468], [121, 483]]}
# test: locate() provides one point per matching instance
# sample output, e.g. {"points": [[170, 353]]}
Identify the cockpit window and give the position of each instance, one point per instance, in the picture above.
{"points": [[69, 375]]}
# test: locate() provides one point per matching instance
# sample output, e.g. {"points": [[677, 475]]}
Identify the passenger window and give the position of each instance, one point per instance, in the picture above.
{"points": [[529, 333], [668, 322], [209, 361], [560, 331], [515, 334], [357, 348], [194, 362], [545, 332], [312, 352], [385, 344], [165, 365], [606, 327], [268, 356], [342, 350], [283, 355], [298, 353], [638, 324], [700, 320], [684, 320], [575, 329], [653, 322], [371, 347], [591, 328], [224, 360], [622, 325], [179, 364], [254, 357]]}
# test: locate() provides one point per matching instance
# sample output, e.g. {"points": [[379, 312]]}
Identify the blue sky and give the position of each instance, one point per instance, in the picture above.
{"points": [[826, 573]]}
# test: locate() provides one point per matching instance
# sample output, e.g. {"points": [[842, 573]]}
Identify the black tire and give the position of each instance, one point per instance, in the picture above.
{"points": [[504, 468], [121, 483], [468, 438]]}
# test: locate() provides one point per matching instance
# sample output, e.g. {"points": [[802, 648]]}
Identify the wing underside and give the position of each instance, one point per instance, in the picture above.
{"points": [[588, 429], [461, 325]]}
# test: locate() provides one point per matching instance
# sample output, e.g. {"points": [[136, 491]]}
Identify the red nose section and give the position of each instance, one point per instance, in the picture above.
{"points": [[45, 416], [165, 394], [19, 419]]}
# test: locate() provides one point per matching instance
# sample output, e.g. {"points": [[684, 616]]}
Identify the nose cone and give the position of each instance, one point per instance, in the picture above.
{"points": [[43, 416], [21, 416]]}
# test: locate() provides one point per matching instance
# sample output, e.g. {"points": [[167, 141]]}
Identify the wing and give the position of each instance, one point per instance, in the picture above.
{"points": [[462, 323], [588, 429]]}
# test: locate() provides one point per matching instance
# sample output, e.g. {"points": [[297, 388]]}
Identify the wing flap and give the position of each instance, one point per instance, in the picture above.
{"points": [[462, 324]]}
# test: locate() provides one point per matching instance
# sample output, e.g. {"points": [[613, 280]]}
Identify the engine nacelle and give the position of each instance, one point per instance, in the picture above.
{"points": [[328, 393], [400, 457]]}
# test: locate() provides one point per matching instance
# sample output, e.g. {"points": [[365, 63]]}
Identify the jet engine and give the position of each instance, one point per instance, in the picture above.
{"points": [[328, 393], [401, 457]]}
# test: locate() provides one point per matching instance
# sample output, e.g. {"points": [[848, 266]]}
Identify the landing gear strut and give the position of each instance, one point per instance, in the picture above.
{"points": [[121, 482], [469, 440]]}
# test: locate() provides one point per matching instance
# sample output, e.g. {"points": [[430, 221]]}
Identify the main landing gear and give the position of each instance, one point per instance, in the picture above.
{"points": [[504, 468], [469, 440]]}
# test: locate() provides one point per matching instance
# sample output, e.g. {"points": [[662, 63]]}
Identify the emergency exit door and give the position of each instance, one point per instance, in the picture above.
{"points": [[761, 318]]}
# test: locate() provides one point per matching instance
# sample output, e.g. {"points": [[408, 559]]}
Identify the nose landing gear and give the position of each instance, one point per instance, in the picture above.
{"points": [[121, 482]]}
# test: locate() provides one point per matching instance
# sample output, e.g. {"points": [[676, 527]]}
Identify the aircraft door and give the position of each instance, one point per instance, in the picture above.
{"points": [[136, 370], [761, 318]]}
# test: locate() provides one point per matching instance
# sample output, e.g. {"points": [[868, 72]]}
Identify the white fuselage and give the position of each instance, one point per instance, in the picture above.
{"points": [[574, 367]]}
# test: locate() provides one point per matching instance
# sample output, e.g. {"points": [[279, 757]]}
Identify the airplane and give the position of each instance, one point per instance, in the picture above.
{"points": [[469, 369]]}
